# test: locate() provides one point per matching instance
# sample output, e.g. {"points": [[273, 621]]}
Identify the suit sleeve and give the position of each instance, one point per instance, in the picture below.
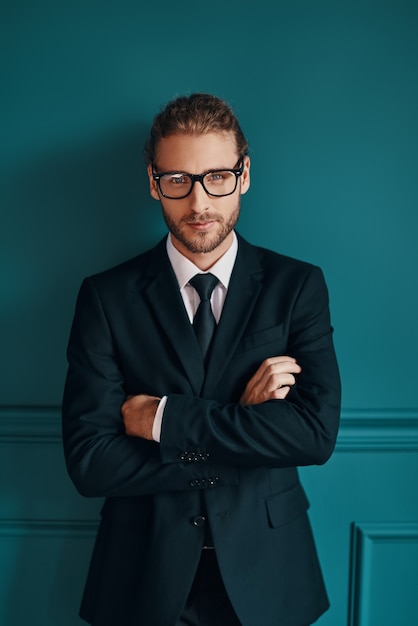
{"points": [[101, 459], [300, 430]]}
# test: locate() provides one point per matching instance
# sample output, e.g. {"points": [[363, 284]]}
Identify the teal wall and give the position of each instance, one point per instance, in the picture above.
{"points": [[327, 93]]}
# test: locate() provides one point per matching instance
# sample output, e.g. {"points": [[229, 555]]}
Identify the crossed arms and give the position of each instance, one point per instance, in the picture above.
{"points": [[286, 415], [272, 381]]}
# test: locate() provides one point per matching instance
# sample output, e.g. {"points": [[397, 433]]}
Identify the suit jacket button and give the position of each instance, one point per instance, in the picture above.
{"points": [[199, 520]]}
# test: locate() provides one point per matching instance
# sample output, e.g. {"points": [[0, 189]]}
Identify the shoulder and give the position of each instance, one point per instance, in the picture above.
{"points": [[272, 261], [132, 270], [279, 273]]}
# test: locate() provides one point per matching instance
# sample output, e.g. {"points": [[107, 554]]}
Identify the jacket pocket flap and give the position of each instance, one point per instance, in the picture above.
{"points": [[262, 337], [284, 507]]}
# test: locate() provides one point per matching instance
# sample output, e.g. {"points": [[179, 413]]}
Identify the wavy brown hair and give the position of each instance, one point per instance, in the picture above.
{"points": [[196, 114]]}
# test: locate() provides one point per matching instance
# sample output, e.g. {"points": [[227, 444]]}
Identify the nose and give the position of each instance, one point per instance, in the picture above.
{"points": [[198, 198]]}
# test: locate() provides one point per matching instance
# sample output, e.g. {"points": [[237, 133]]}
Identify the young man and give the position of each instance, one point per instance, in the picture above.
{"points": [[194, 433]]}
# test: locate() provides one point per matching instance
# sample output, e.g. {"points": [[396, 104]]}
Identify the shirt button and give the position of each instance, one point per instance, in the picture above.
{"points": [[199, 520]]}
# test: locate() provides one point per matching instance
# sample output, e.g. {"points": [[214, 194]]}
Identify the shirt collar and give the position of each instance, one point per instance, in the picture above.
{"points": [[185, 269]]}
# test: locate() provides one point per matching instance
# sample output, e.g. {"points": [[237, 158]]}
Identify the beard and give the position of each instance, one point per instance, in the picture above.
{"points": [[202, 242]]}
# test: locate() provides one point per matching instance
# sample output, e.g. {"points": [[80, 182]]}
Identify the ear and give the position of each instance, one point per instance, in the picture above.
{"points": [[245, 176], [153, 187]]}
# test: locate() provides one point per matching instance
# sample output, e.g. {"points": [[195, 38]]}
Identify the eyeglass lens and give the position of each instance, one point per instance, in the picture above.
{"points": [[178, 185]]}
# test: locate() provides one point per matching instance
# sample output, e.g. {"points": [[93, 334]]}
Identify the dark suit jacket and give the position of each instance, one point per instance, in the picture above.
{"points": [[131, 335]]}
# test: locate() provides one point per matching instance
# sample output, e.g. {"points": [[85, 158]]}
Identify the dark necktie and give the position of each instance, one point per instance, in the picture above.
{"points": [[204, 322]]}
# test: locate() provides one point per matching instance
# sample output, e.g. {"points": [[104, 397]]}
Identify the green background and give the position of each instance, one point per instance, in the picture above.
{"points": [[327, 94]]}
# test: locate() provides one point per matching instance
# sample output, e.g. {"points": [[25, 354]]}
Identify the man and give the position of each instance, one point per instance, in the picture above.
{"points": [[194, 438]]}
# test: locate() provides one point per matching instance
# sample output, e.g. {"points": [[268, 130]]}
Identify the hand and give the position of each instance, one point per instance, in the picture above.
{"points": [[272, 380], [138, 414]]}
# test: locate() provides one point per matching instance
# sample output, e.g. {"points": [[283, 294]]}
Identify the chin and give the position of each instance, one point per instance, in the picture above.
{"points": [[204, 242]]}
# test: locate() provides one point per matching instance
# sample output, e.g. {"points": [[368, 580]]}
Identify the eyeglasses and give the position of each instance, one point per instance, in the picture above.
{"points": [[218, 183]]}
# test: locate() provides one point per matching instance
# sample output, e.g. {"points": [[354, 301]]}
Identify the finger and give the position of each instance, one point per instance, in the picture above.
{"points": [[280, 366], [278, 359], [274, 365], [275, 362], [279, 380], [273, 378], [280, 394], [268, 383]]}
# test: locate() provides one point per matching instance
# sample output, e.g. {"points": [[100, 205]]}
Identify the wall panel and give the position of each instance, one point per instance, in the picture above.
{"points": [[43, 565], [384, 574]]}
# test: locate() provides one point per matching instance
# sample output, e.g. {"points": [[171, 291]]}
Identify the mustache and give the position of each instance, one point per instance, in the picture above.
{"points": [[201, 219]]}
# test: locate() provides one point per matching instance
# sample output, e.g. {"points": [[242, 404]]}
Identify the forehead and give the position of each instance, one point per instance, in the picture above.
{"points": [[196, 153]]}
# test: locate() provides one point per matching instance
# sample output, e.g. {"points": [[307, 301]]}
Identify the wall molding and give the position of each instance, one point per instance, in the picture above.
{"points": [[379, 430], [30, 424], [48, 528], [365, 540], [360, 430]]}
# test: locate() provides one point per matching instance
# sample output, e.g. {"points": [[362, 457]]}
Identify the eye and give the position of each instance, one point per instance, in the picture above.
{"points": [[176, 179], [216, 177]]}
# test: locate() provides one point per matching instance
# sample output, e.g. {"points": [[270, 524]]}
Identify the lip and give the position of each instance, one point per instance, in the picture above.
{"points": [[201, 226]]}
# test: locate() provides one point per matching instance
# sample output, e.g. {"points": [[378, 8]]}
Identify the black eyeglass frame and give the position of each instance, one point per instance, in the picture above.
{"points": [[237, 171]]}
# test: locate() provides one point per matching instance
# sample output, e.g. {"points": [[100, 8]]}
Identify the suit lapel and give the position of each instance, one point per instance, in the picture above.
{"points": [[244, 288], [163, 295], [165, 300]]}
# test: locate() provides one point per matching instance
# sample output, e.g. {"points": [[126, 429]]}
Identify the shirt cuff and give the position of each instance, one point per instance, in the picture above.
{"points": [[158, 420]]}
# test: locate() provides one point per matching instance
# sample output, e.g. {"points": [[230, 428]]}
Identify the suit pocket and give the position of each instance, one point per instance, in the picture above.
{"points": [[263, 337], [286, 506]]}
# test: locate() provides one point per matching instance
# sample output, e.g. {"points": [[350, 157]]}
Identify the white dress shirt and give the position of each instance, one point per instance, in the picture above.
{"points": [[184, 271]]}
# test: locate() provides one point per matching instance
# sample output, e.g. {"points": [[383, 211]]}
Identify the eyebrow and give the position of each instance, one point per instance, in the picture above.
{"points": [[212, 169]]}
